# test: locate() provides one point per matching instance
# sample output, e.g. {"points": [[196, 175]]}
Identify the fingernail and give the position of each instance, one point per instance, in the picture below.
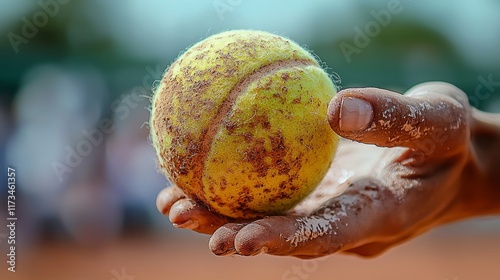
{"points": [[355, 114], [189, 224]]}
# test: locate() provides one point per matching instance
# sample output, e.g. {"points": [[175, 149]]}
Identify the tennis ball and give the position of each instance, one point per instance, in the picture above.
{"points": [[239, 123]]}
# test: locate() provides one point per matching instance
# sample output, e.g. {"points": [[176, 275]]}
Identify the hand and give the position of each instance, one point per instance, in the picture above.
{"points": [[433, 160]]}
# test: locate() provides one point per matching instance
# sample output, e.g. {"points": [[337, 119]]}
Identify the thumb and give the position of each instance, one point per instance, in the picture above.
{"points": [[389, 119]]}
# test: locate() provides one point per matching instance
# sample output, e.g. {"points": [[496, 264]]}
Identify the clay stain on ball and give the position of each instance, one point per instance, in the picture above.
{"points": [[239, 123]]}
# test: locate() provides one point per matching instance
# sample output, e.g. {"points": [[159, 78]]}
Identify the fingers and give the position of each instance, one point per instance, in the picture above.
{"points": [[262, 236], [186, 213], [432, 117], [167, 197], [222, 242], [280, 235], [342, 223]]}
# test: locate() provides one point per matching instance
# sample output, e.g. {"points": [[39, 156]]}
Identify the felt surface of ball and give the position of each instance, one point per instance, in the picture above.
{"points": [[239, 123]]}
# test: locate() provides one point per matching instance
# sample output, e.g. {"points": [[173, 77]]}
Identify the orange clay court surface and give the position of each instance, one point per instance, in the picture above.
{"points": [[180, 254]]}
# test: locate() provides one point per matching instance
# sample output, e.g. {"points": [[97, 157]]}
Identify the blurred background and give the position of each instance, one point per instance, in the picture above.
{"points": [[75, 82]]}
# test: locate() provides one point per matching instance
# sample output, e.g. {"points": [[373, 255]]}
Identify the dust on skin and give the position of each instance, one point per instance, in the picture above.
{"points": [[329, 221], [369, 160]]}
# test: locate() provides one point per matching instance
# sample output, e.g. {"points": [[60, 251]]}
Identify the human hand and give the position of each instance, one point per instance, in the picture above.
{"points": [[436, 160]]}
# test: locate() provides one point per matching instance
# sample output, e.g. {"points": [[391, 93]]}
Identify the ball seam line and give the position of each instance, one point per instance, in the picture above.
{"points": [[241, 87]]}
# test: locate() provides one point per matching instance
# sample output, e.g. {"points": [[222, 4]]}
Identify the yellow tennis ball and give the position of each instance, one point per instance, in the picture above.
{"points": [[239, 123]]}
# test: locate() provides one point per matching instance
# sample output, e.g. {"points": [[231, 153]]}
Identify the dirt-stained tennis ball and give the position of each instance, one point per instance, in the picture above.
{"points": [[239, 123]]}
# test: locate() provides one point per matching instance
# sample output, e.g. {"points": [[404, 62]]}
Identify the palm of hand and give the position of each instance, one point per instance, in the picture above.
{"points": [[373, 197]]}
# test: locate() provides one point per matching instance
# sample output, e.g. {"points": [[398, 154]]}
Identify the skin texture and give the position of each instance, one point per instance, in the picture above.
{"points": [[434, 160], [239, 123]]}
